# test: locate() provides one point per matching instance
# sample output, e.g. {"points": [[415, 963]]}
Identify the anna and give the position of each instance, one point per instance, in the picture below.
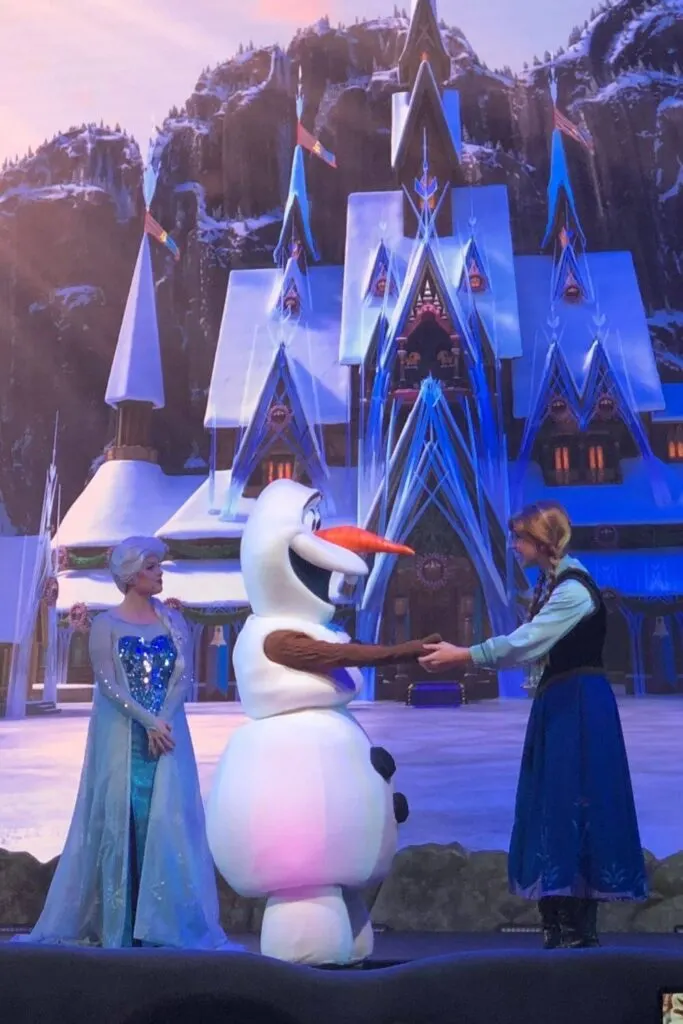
{"points": [[575, 840]]}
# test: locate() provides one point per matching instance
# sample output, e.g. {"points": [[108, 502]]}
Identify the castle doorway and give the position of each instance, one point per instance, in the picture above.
{"points": [[437, 591]]}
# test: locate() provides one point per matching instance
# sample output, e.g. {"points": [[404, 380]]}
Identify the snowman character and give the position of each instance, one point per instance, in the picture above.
{"points": [[302, 808]]}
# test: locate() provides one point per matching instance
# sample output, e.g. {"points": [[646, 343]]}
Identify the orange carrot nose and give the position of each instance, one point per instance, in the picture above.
{"points": [[362, 542]]}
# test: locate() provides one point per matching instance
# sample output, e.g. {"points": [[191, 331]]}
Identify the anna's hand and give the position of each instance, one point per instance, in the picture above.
{"points": [[159, 739], [444, 656]]}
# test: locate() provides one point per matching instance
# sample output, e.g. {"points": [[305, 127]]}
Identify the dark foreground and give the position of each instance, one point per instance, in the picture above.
{"points": [[412, 979]]}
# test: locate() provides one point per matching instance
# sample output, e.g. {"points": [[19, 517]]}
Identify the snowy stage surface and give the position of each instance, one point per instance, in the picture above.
{"points": [[457, 766]]}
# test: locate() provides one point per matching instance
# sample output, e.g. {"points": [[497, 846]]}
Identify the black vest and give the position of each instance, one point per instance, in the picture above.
{"points": [[582, 647]]}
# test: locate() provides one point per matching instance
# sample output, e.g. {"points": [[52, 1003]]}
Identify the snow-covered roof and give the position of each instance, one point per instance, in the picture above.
{"points": [[136, 372], [480, 213], [199, 518], [406, 107], [194, 520], [673, 399], [638, 499], [18, 557], [201, 584], [251, 332], [617, 315], [123, 499], [196, 584]]}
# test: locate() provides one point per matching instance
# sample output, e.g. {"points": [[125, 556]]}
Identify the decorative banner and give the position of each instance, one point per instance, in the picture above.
{"points": [[313, 145], [218, 638], [154, 228], [572, 131]]}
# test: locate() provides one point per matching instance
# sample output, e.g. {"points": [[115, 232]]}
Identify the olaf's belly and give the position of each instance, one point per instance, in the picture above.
{"points": [[296, 802]]}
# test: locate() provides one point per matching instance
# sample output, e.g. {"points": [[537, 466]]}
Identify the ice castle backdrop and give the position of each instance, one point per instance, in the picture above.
{"points": [[430, 384]]}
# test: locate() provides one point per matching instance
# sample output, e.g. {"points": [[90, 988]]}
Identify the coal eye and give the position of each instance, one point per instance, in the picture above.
{"points": [[312, 519]]}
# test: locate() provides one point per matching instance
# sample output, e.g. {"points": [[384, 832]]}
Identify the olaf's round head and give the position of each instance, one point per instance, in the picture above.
{"points": [[287, 565]]}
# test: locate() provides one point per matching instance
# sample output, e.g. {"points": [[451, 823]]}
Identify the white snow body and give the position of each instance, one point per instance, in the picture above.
{"points": [[296, 802]]}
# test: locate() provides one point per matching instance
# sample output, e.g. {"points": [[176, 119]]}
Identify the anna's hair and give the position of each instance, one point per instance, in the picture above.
{"points": [[546, 525]]}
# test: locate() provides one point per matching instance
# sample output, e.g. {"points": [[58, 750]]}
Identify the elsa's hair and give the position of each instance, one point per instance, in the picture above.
{"points": [[128, 558]]}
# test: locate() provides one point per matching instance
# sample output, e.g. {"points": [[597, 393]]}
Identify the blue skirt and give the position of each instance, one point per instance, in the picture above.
{"points": [[576, 831]]}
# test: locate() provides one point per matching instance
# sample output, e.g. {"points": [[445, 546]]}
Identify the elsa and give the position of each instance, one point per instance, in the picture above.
{"points": [[136, 868]]}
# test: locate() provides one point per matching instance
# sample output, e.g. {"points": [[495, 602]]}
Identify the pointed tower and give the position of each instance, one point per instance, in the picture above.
{"points": [[562, 212], [423, 112], [136, 382], [423, 43], [564, 233], [296, 237]]}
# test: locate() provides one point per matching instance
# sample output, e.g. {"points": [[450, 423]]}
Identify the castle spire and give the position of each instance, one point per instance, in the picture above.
{"points": [[414, 4], [563, 219], [296, 237], [136, 381], [423, 43]]}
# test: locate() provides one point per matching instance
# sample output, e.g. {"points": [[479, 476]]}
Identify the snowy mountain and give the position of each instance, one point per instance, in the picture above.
{"points": [[71, 215]]}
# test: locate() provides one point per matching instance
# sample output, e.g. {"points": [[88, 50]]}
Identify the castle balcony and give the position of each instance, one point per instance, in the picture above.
{"points": [[444, 365]]}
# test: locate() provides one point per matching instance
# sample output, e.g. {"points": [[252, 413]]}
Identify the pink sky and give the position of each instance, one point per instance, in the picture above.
{"points": [[65, 62]]}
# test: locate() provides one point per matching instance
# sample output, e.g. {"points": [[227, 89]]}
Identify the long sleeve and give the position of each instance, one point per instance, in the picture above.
{"points": [[102, 660], [568, 604], [300, 651]]}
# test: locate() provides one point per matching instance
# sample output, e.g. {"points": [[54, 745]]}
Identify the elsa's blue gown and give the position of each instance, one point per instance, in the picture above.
{"points": [[136, 867], [148, 659]]}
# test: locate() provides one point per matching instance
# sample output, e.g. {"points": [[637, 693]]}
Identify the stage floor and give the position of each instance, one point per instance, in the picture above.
{"points": [[458, 768], [393, 948]]}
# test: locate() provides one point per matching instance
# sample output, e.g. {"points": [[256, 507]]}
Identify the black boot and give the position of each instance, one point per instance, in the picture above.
{"points": [[589, 923], [550, 917], [570, 928], [578, 923]]}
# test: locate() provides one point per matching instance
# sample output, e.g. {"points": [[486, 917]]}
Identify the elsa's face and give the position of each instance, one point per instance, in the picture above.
{"points": [[149, 580]]}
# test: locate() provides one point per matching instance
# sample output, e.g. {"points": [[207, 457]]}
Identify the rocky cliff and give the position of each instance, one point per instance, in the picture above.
{"points": [[431, 888], [71, 215]]}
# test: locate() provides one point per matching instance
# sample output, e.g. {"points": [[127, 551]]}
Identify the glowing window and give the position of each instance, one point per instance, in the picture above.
{"points": [[596, 462], [562, 463], [675, 444], [279, 469]]}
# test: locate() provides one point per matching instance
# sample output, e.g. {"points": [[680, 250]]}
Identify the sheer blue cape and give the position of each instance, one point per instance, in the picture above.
{"points": [[177, 903]]}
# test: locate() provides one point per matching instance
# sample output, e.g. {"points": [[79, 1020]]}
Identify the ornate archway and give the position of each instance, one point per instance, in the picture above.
{"points": [[438, 591]]}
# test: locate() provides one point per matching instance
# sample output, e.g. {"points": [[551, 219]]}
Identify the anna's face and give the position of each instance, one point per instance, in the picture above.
{"points": [[525, 548], [149, 580]]}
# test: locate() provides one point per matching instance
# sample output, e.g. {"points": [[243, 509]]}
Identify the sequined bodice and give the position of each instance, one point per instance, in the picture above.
{"points": [[148, 665]]}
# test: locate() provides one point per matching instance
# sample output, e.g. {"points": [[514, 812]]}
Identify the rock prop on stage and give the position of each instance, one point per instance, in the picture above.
{"points": [[303, 809]]}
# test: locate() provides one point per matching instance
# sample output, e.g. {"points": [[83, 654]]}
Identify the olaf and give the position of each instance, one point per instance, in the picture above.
{"points": [[302, 808]]}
